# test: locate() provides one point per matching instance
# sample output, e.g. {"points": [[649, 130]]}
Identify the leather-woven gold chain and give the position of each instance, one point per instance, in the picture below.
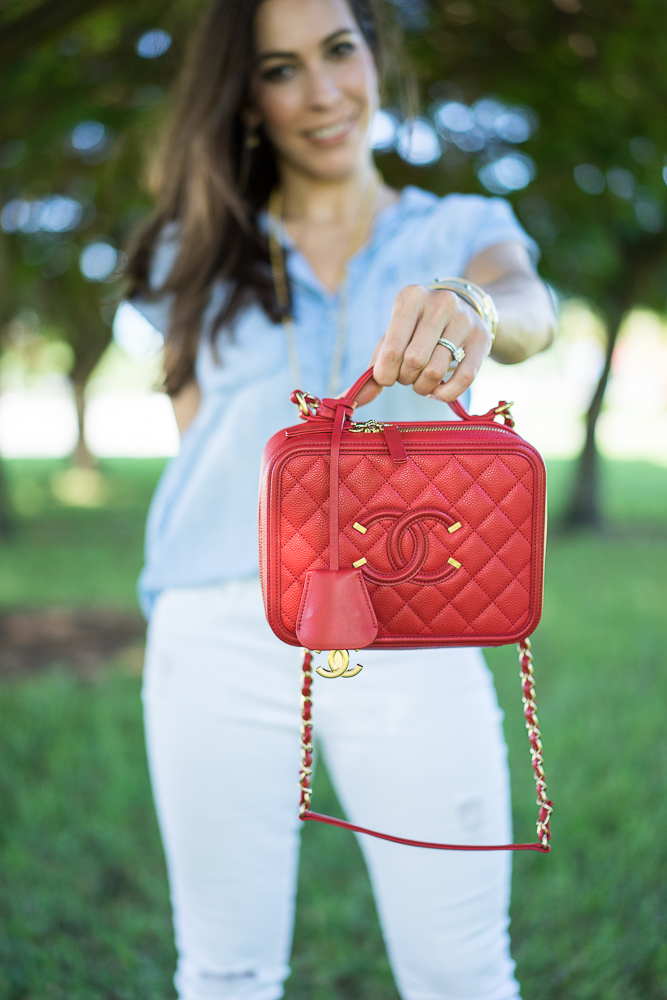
{"points": [[306, 775], [535, 738], [532, 725]]}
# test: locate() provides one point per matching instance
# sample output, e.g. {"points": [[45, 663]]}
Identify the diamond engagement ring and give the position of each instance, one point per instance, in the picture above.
{"points": [[457, 352]]}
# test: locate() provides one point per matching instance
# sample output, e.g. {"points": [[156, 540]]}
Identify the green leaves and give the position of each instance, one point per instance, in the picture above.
{"points": [[593, 75], [81, 111], [596, 75]]}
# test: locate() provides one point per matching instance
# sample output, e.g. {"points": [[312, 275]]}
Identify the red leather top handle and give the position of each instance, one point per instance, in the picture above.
{"points": [[368, 374], [455, 405]]}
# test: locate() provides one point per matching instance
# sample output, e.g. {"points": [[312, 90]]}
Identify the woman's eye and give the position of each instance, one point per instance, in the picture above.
{"points": [[279, 73], [341, 50]]}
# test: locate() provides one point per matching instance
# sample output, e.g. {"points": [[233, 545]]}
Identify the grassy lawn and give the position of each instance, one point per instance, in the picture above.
{"points": [[83, 898]]}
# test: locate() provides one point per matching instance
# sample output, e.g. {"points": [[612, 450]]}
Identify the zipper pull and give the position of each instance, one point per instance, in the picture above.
{"points": [[395, 443]]}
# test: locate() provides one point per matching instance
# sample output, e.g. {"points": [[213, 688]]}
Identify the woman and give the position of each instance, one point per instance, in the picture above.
{"points": [[278, 97]]}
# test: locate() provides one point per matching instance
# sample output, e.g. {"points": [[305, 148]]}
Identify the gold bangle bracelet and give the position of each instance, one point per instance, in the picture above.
{"points": [[475, 296]]}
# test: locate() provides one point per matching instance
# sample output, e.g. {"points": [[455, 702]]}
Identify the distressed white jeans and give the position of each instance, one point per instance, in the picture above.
{"points": [[414, 747]]}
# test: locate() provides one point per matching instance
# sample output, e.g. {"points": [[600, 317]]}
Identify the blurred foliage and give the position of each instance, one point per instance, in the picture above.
{"points": [[78, 66], [596, 75], [591, 76]]}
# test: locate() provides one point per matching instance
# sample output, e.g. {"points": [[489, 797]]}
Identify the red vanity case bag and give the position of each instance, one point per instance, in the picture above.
{"points": [[403, 536]]}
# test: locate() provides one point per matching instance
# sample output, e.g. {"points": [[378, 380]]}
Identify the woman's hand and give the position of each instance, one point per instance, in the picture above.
{"points": [[409, 351]]}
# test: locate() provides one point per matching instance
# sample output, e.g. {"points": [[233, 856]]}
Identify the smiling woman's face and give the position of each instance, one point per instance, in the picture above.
{"points": [[314, 88]]}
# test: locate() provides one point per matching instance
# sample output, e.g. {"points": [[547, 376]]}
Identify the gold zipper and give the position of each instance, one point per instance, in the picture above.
{"points": [[375, 427], [462, 427]]}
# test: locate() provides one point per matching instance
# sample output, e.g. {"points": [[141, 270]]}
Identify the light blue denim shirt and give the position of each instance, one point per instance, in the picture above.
{"points": [[202, 524]]}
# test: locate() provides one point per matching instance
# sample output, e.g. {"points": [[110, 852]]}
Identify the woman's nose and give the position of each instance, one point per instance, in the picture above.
{"points": [[322, 89]]}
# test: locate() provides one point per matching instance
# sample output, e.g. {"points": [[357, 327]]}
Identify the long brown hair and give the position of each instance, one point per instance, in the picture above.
{"points": [[213, 186]]}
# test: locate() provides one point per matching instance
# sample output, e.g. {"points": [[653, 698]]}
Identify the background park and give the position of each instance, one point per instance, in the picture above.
{"points": [[559, 106]]}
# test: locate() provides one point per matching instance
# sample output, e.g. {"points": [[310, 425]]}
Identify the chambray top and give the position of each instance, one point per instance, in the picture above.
{"points": [[202, 524]]}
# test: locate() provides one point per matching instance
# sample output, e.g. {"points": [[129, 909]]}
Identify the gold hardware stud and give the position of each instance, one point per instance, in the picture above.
{"points": [[366, 427], [454, 527], [454, 563], [359, 527], [360, 562]]}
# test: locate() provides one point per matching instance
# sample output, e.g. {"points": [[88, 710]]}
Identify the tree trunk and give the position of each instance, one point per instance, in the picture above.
{"points": [[5, 507], [584, 509], [82, 457]]}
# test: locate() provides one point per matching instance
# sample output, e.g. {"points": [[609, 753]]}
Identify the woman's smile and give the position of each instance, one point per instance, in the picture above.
{"points": [[332, 135]]}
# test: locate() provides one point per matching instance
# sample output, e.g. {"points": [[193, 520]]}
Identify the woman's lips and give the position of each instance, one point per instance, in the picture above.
{"points": [[331, 135]]}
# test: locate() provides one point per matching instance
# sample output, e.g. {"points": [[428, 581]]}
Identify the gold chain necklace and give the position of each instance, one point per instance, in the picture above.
{"points": [[359, 236]]}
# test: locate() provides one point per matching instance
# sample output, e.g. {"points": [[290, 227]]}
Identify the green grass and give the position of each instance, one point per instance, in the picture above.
{"points": [[72, 555], [83, 897]]}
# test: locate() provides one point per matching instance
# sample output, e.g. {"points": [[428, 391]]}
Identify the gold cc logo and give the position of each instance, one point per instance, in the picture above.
{"points": [[339, 665], [410, 526]]}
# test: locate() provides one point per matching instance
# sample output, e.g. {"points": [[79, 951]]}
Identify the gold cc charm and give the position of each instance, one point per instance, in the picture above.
{"points": [[339, 665]]}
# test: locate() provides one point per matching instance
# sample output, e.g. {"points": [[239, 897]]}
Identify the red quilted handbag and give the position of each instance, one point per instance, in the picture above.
{"points": [[405, 535]]}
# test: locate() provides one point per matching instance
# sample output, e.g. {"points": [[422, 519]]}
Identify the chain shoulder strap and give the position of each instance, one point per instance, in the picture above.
{"points": [[534, 736]]}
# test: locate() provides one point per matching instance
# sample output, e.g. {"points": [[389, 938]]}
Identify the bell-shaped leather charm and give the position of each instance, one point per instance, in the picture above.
{"points": [[336, 611]]}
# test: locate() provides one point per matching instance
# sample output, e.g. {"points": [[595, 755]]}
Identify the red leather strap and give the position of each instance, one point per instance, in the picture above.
{"points": [[333, 821], [459, 409], [360, 383], [454, 404], [395, 443], [334, 491], [532, 725]]}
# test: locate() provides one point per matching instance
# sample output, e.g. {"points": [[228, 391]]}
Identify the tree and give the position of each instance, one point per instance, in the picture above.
{"points": [[588, 79], [81, 107], [596, 76]]}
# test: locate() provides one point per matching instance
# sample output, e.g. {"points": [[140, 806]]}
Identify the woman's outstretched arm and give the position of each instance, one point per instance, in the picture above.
{"points": [[186, 403], [409, 351], [525, 310]]}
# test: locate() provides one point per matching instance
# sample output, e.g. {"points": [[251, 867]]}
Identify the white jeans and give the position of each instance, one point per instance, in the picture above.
{"points": [[414, 747]]}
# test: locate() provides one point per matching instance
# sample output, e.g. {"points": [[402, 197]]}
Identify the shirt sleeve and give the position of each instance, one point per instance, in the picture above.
{"points": [[479, 223], [497, 223], [158, 311]]}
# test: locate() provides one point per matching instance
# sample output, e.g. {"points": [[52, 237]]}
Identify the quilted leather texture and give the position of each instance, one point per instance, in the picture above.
{"points": [[491, 483]]}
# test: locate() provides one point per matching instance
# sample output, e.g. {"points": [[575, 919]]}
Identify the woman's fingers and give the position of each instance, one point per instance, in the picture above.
{"points": [[477, 349], [409, 352], [460, 330], [440, 312], [409, 342]]}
